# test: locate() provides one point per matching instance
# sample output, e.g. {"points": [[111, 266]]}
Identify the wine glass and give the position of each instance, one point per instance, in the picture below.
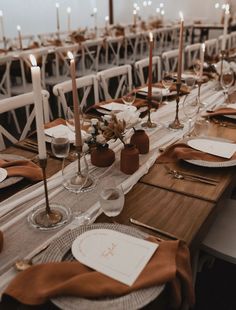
{"points": [[197, 68], [227, 80], [191, 107], [190, 82], [111, 197], [167, 80], [128, 97]]}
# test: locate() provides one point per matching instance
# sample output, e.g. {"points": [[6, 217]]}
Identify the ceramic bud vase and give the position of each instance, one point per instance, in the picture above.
{"points": [[102, 156], [141, 140], [129, 159]]}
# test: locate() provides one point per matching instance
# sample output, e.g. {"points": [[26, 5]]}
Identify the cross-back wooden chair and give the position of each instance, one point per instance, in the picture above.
{"points": [[16, 103], [192, 53], [170, 60], [141, 69], [212, 47], [87, 87], [111, 82], [91, 50]]}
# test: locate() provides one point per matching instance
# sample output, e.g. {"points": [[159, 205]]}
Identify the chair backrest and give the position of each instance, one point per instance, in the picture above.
{"points": [[87, 88], [27, 40], [91, 50], [192, 53], [112, 51], [233, 39], [5, 85], [62, 67], [15, 104], [212, 47], [112, 82], [227, 42], [132, 42], [141, 68], [170, 60]]}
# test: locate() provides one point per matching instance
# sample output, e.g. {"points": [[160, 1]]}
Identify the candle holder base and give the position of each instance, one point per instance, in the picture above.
{"points": [[78, 183], [57, 217], [149, 124], [176, 125]]}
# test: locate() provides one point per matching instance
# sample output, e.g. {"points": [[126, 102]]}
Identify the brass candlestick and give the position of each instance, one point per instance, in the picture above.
{"points": [[79, 181], [176, 123], [149, 123], [48, 216]]}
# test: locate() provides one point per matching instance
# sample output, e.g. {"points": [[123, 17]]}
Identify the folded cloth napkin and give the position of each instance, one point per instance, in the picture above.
{"points": [[169, 264], [221, 112], [24, 168], [1, 241], [183, 151]]}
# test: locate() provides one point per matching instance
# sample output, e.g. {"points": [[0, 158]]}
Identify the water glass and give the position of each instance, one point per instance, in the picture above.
{"points": [[190, 82], [129, 98], [111, 197], [191, 107], [60, 144]]}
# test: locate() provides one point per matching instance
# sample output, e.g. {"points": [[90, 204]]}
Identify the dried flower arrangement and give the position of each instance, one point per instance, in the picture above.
{"points": [[114, 129]]}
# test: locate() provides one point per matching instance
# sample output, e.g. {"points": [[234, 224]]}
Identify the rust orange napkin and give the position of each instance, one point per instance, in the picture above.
{"points": [[24, 168], [169, 264], [221, 112], [183, 151]]}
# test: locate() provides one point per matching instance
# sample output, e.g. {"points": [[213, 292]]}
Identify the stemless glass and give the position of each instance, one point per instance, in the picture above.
{"points": [[190, 82], [60, 145], [128, 96], [227, 80], [191, 107], [111, 197]]}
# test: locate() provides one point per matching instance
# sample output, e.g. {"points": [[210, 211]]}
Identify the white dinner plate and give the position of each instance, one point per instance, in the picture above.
{"points": [[115, 107], [156, 90], [213, 164], [59, 250]]}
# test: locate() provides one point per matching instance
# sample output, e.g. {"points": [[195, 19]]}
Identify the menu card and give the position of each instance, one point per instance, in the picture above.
{"points": [[117, 255], [213, 147]]}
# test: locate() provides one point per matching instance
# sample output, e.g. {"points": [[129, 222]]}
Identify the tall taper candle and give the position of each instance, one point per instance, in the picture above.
{"points": [[2, 26], [69, 19], [19, 36], [134, 18], [180, 47], [226, 20], [58, 17], [78, 138], [38, 103], [150, 66], [202, 53]]}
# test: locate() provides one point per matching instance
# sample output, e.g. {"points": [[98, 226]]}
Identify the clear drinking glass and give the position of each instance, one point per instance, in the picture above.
{"points": [[111, 197], [129, 98], [60, 145], [191, 107], [190, 82], [227, 80], [167, 80]]}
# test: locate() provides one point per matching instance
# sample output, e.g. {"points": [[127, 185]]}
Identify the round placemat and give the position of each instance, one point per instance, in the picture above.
{"points": [[60, 250]]}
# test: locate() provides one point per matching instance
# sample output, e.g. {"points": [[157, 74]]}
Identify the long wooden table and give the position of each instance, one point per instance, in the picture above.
{"points": [[182, 208]]}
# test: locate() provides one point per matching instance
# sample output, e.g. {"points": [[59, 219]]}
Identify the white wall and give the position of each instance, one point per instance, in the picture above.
{"points": [[37, 16]]}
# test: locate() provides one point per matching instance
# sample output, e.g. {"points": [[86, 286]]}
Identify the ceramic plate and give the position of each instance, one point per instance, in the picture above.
{"points": [[115, 107], [59, 250], [10, 180]]}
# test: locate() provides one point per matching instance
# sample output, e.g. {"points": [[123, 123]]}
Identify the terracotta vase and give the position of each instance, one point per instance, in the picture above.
{"points": [[141, 140], [102, 156], [129, 159]]}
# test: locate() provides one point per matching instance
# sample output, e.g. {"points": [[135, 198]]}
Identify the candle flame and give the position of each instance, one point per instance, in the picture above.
{"points": [[33, 60], [217, 5], [18, 27], [1, 13], [134, 12], [181, 16], [95, 10], [150, 36], [203, 47], [70, 55], [161, 5], [107, 18], [57, 5], [158, 10], [162, 12], [69, 10]]}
